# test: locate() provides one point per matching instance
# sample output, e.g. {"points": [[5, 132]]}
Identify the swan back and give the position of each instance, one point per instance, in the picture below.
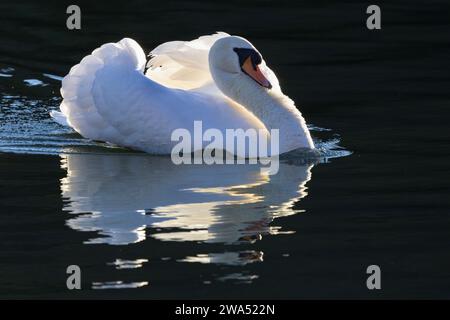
{"points": [[183, 64]]}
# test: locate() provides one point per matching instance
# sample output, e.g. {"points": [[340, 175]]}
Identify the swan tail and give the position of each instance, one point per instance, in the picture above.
{"points": [[59, 117], [79, 107]]}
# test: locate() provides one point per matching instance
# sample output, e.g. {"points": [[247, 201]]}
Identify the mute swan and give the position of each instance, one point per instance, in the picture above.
{"points": [[219, 79]]}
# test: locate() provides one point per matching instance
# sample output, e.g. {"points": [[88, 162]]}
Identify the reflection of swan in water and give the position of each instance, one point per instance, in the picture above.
{"points": [[121, 195]]}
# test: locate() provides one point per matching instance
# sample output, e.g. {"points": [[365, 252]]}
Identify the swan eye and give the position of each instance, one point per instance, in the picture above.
{"points": [[245, 53], [249, 60]]}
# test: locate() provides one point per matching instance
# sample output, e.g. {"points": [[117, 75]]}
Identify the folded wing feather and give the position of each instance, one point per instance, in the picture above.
{"points": [[182, 64]]}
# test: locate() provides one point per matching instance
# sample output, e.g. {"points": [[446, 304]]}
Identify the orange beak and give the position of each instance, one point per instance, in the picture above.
{"points": [[255, 73]]}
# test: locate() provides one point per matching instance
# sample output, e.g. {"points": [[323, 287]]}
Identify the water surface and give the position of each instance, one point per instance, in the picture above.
{"points": [[141, 227]]}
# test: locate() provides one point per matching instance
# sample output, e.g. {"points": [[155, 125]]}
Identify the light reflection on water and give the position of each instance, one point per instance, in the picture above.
{"points": [[127, 264], [127, 198], [118, 285], [239, 258], [239, 277]]}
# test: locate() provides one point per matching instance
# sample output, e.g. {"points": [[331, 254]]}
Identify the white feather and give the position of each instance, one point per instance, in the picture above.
{"points": [[59, 117], [107, 97], [182, 64]]}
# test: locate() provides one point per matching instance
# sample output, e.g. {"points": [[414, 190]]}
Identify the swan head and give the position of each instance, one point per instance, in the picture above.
{"points": [[239, 71], [235, 63]]}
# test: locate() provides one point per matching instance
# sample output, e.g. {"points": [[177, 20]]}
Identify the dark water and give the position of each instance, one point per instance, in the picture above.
{"points": [[140, 227]]}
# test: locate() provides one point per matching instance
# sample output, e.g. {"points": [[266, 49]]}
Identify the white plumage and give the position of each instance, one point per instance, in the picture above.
{"points": [[108, 98], [183, 64]]}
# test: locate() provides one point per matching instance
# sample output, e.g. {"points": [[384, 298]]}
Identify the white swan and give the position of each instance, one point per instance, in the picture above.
{"points": [[221, 80]]}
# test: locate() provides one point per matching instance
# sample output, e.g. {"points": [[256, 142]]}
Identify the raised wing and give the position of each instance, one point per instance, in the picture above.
{"points": [[182, 64]]}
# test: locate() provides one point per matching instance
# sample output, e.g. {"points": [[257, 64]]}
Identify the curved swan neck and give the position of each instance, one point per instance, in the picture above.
{"points": [[272, 107]]}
